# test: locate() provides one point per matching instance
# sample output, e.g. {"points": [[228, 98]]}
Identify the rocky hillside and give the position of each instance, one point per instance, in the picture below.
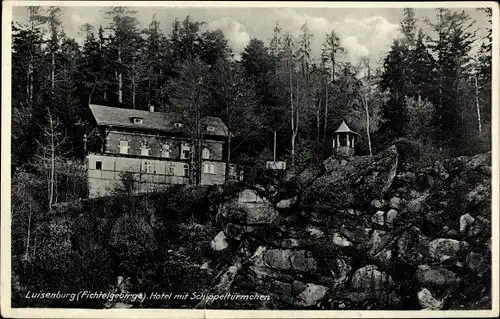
{"points": [[358, 233]]}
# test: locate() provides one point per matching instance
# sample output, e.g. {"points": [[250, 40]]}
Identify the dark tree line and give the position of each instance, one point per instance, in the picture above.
{"points": [[432, 91], [431, 88]]}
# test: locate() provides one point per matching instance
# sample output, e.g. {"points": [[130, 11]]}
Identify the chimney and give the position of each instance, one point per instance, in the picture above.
{"points": [[151, 108]]}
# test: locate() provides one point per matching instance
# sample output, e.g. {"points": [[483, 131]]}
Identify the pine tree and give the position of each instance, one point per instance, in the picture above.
{"points": [[331, 47], [452, 47], [123, 43], [395, 79]]}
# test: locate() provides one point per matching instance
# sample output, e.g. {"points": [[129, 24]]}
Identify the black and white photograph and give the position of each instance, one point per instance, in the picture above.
{"points": [[318, 159]]}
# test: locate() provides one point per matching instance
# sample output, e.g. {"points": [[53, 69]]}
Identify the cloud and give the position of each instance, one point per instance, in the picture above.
{"points": [[370, 36], [75, 18], [235, 32], [354, 49]]}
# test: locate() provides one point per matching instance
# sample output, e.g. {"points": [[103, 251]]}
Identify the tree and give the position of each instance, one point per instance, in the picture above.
{"points": [[50, 148], [237, 101], [293, 91], [123, 43], [214, 46], [27, 62], [422, 70], [155, 57], [396, 79], [53, 19], [256, 60], [331, 47], [25, 204], [420, 115], [409, 28], [186, 40], [452, 47], [190, 98]]}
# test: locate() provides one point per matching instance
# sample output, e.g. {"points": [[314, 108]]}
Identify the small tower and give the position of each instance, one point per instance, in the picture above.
{"points": [[343, 141]]}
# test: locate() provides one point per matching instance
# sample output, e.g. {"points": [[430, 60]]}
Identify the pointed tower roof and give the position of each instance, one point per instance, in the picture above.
{"points": [[343, 128]]}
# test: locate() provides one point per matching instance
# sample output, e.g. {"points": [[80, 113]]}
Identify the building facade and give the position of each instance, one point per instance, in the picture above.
{"points": [[150, 148]]}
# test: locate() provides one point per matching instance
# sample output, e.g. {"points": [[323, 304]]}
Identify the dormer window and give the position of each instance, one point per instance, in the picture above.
{"points": [[137, 120], [211, 128], [178, 125]]}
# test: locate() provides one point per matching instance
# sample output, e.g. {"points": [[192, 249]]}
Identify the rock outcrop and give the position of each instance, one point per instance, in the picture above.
{"points": [[361, 235]]}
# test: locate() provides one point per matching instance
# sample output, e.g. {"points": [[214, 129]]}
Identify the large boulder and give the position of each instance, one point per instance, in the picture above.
{"points": [[311, 294], [379, 218], [219, 242], [412, 247], [466, 221], [370, 278], [249, 208], [378, 241], [445, 248], [341, 241], [395, 203], [390, 217], [428, 301], [476, 262], [353, 184], [278, 258], [436, 278]]}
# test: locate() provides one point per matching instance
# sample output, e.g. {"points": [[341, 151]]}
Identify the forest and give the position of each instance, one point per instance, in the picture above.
{"points": [[431, 94]]}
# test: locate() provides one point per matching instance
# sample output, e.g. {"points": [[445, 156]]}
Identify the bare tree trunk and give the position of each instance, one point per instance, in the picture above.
{"points": [[295, 129], [228, 159], [292, 109], [34, 247], [333, 65], [365, 103], [92, 92], [52, 168], [133, 84], [318, 125], [477, 107], [53, 75], [325, 125], [29, 234], [133, 91], [149, 87], [120, 77], [30, 83]]}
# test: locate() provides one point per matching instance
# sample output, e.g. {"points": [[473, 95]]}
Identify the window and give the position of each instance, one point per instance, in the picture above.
{"points": [[124, 147], [98, 165], [178, 125], [205, 154], [137, 120], [185, 151], [171, 169], [144, 149], [209, 168], [186, 170], [165, 150], [211, 128], [149, 167]]}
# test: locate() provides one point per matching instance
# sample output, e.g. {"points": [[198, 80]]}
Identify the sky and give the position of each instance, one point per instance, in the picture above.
{"points": [[363, 32]]}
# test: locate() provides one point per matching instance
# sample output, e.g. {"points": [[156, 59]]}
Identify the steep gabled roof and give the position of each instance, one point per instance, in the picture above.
{"points": [[343, 128], [156, 121]]}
